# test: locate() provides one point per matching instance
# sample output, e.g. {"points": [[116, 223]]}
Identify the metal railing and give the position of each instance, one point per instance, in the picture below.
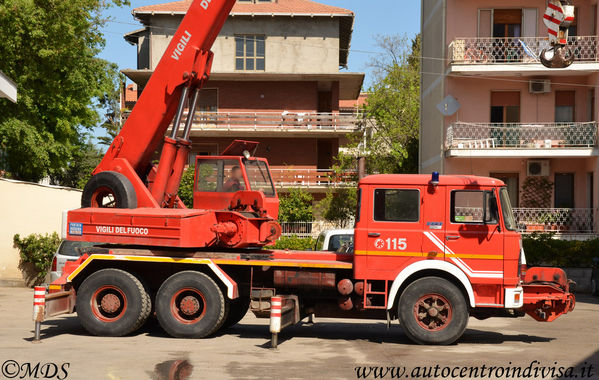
{"points": [[556, 220], [311, 229], [491, 50], [312, 178], [276, 121], [521, 136]]}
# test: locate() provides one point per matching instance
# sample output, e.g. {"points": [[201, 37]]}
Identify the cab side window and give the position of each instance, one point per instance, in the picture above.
{"points": [[474, 207], [396, 205]]}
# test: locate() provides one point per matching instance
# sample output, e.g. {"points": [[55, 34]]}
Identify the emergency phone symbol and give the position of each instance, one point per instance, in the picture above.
{"points": [[379, 243]]}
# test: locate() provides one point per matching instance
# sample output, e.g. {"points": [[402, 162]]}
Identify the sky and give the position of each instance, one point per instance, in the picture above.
{"points": [[372, 17]]}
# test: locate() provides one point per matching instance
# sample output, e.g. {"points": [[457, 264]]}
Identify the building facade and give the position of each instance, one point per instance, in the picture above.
{"points": [[276, 79], [490, 108]]}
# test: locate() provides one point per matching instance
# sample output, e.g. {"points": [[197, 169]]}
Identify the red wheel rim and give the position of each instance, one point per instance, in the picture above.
{"points": [[109, 303], [433, 312], [103, 197], [188, 305]]}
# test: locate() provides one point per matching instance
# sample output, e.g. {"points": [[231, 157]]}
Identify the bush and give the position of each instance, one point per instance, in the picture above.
{"points": [[296, 206], [339, 206], [186, 187], [542, 249], [295, 243], [37, 250]]}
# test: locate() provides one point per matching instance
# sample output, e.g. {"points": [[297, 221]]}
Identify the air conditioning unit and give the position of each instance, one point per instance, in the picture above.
{"points": [[539, 86], [538, 168]]}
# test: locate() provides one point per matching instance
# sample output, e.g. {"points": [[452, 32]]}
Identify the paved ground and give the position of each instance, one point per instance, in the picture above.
{"points": [[326, 350]]}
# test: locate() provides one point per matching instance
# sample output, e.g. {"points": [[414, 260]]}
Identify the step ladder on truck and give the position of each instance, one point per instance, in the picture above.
{"points": [[429, 251]]}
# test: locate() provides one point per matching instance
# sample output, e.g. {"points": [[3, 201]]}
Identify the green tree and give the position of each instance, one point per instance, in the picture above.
{"points": [[111, 102], [49, 48], [79, 169], [296, 206], [339, 206], [391, 116], [186, 187]]}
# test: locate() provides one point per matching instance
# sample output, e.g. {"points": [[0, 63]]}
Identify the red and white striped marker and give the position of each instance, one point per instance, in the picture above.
{"points": [[39, 303], [553, 18], [275, 314]]}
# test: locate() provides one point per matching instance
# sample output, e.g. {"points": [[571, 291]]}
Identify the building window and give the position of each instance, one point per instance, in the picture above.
{"points": [[565, 104], [394, 205], [250, 53]]}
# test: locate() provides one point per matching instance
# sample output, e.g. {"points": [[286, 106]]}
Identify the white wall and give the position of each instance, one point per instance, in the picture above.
{"points": [[29, 208]]}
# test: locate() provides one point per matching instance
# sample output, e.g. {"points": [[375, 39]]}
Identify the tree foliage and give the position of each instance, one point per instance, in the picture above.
{"points": [[296, 206], [49, 48], [339, 206], [186, 186], [392, 111], [78, 170]]}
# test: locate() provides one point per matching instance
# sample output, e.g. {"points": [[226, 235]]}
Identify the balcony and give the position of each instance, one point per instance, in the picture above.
{"points": [[517, 54], [315, 179], [568, 221], [259, 123], [522, 139]]}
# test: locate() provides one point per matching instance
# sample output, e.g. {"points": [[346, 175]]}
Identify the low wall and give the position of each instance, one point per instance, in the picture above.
{"points": [[29, 208]]}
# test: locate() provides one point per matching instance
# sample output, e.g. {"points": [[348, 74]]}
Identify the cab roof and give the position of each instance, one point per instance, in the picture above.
{"points": [[424, 179]]}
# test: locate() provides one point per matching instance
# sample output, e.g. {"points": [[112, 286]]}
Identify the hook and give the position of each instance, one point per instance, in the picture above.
{"points": [[562, 57]]}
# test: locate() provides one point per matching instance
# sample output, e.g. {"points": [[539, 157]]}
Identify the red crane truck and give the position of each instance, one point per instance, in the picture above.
{"points": [[429, 250]]}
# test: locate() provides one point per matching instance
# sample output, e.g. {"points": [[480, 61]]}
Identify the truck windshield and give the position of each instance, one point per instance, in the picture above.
{"points": [[506, 209], [259, 177]]}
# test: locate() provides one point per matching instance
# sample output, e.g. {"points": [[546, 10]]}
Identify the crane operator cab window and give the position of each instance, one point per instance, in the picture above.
{"points": [[221, 176]]}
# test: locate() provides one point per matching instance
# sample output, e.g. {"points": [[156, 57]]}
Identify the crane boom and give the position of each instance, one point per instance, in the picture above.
{"points": [[183, 70]]}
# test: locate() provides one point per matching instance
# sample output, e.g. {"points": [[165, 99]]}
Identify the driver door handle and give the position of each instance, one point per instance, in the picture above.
{"points": [[374, 234], [451, 237]]}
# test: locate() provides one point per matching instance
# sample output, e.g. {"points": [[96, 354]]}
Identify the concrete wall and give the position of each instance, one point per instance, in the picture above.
{"points": [[27, 209], [293, 45]]}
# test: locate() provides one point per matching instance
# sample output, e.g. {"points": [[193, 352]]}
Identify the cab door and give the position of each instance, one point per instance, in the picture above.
{"points": [[474, 240], [394, 229]]}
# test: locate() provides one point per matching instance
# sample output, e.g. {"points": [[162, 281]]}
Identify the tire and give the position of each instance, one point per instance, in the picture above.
{"points": [[109, 189], [450, 317], [190, 304], [112, 302], [238, 308]]}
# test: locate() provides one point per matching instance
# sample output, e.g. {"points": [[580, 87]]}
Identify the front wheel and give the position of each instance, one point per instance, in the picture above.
{"points": [[432, 310], [190, 304]]}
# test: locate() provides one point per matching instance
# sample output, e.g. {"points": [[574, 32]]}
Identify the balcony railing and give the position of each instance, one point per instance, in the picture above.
{"points": [[311, 178], [312, 229], [491, 50], [276, 121], [556, 220], [521, 136]]}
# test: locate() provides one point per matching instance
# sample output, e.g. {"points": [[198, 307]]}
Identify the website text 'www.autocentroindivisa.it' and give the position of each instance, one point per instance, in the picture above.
{"points": [[535, 370]]}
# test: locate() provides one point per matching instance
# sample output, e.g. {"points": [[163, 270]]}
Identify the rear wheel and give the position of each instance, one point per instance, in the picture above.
{"points": [[109, 190], [112, 302], [432, 310], [190, 305]]}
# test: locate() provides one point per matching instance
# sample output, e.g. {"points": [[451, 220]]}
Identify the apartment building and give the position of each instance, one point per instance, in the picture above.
{"points": [[277, 78], [490, 108]]}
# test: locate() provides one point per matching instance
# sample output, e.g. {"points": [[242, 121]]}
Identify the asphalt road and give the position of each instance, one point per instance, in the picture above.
{"points": [[329, 349]]}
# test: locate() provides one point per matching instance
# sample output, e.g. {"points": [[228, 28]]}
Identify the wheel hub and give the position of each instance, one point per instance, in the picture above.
{"points": [[110, 303], [189, 305], [433, 312]]}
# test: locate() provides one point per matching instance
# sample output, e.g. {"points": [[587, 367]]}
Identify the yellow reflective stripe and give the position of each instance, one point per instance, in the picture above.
{"points": [[208, 261], [423, 254]]}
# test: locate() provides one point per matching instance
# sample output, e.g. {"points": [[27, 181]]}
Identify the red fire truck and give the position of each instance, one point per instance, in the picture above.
{"points": [[429, 251]]}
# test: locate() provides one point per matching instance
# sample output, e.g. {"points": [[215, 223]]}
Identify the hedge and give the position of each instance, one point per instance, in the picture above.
{"points": [[294, 243], [542, 249]]}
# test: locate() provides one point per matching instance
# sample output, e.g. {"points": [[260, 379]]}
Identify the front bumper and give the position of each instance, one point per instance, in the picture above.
{"points": [[547, 294]]}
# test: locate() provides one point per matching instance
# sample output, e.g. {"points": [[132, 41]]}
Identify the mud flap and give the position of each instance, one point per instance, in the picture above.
{"points": [[547, 294]]}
